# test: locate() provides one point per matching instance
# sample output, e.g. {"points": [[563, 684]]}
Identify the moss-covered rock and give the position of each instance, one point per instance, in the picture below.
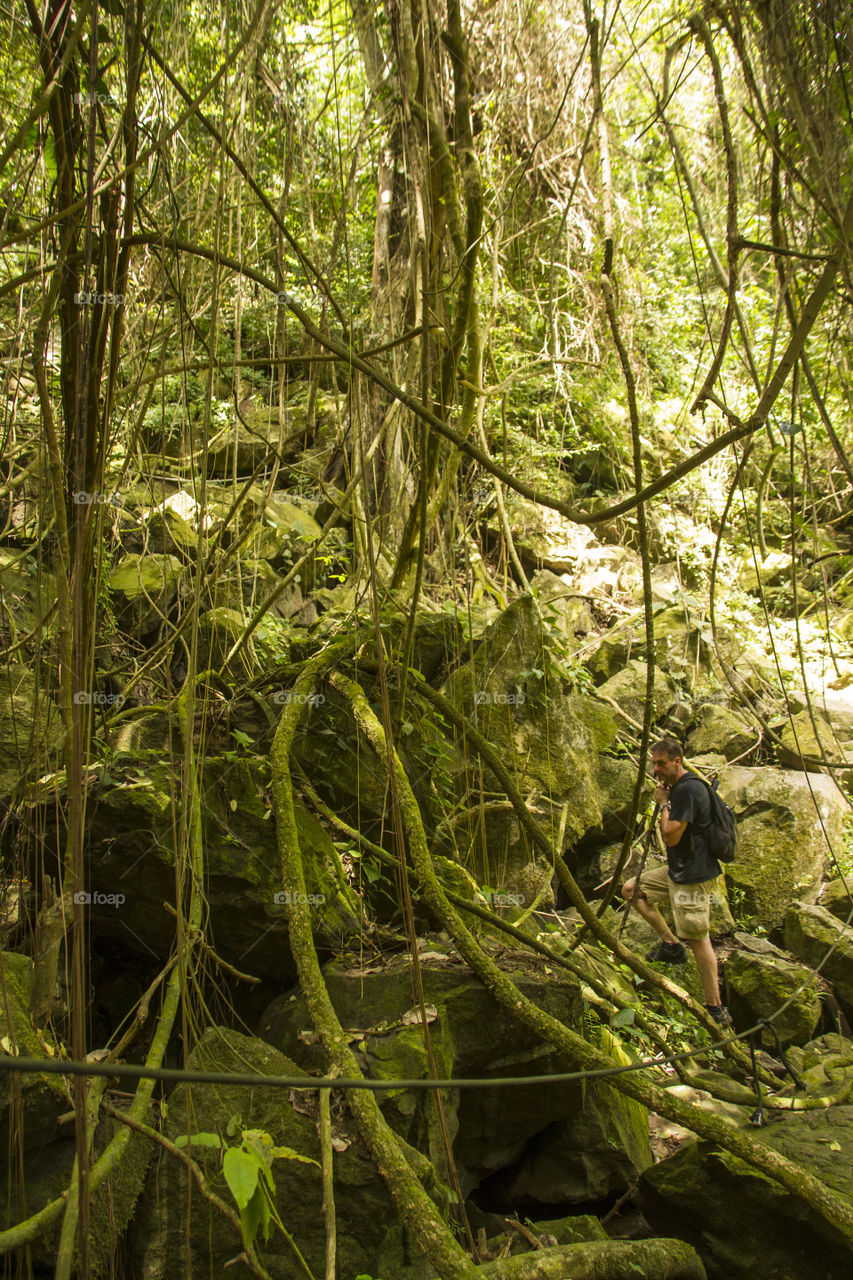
{"points": [[786, 821], [565, 613], [31, 731], [588, 1156], [746, 1226], [556, 1144], [43, 1098], [721, 731], [508, 692], [837, 896], [814, 734], [815, 936], [131, 827], [44, 1148], [177, 1231], [760, 980], [144, 588], [627, 688]]}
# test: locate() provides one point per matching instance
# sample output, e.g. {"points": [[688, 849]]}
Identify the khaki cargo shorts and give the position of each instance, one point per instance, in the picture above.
{"points": [[691, 903]]}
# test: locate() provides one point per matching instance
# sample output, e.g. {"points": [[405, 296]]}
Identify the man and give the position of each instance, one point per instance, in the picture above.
{"points": [[689, 876]]}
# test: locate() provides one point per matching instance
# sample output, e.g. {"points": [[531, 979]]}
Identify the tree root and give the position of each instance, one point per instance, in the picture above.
{"points": [[837, 1210], [416, 1209], [602, 1260]]}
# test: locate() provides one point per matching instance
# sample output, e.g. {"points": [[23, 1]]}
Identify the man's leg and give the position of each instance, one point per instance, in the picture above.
{"points": [[691, 906], [649, 912], [706, 963]]}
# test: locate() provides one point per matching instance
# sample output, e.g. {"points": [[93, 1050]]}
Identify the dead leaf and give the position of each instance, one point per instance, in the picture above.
{"points": [[413, 1017]]}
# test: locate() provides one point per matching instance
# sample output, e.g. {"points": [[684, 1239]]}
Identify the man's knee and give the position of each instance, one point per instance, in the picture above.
{"points": [[628, 889]]}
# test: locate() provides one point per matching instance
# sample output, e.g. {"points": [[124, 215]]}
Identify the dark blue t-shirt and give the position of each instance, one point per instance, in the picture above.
{"points": [[689, 861]]}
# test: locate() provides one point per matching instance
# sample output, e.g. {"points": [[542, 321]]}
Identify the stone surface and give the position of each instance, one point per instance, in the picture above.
{"points": [[559, 1143], [721, 731], [132, 841], [506, 690], [784, 821], [837, 896], [760, 979], [144, 588], [814, 734], [628, 690], [745, 1226], [44, 1148], [176, 1233], [810, 931], [562, 609], [30, 727]]}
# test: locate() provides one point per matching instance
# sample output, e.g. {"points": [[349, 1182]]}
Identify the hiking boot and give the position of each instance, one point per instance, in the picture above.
{"points": [[720, 1014], [668, 953]]}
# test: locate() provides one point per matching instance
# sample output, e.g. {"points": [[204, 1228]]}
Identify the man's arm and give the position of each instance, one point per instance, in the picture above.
{"points": [[671, 830]]}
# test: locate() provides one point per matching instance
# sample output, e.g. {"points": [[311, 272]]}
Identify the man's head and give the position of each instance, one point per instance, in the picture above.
{"points": [[667, 761]]}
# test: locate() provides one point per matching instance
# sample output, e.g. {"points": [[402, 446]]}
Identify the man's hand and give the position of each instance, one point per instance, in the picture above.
{"points": [[662, 794]]}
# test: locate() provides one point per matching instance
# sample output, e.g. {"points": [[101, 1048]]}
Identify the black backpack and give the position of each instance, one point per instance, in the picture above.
{"points": [[721, 834]]}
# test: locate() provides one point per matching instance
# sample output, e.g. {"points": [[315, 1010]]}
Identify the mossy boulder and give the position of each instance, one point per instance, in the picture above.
{"points": [[816, 735], [131, 828], [31, 731], [837, 896], [565, 613], [177, 1232], [517, 704], [760, 979], [810, 933], [681, 646], [219, 630], [144, 587], [719, 730], [786, 821], [588, 1156], [44, 1148], [501, 1138], [627, 688], [744, 1225], [43, 1098]]}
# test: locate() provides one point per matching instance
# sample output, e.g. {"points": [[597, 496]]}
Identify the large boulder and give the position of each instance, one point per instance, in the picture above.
{"points": [[787, 821], [30, 727], [176, 1232], [761, 980], [31, 1125], [744, 1225], [132, 849], [816, 735], [627, 688], [837, 896], [509, 1142], [814, 935], [565, 612], [681, 646], [518, 705], [719, 730], [144, 588]]}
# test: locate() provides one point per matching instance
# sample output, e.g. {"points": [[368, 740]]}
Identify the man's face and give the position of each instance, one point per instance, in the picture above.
{"points": [[665, 770]]}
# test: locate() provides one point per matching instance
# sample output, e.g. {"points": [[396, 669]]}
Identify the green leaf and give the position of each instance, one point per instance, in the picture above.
{"points": [[287, 1153], [50, 156], [242, 738], [199, 1140], [252, 1217], [623, 1018], [234, 1126], [241, 1173]]}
